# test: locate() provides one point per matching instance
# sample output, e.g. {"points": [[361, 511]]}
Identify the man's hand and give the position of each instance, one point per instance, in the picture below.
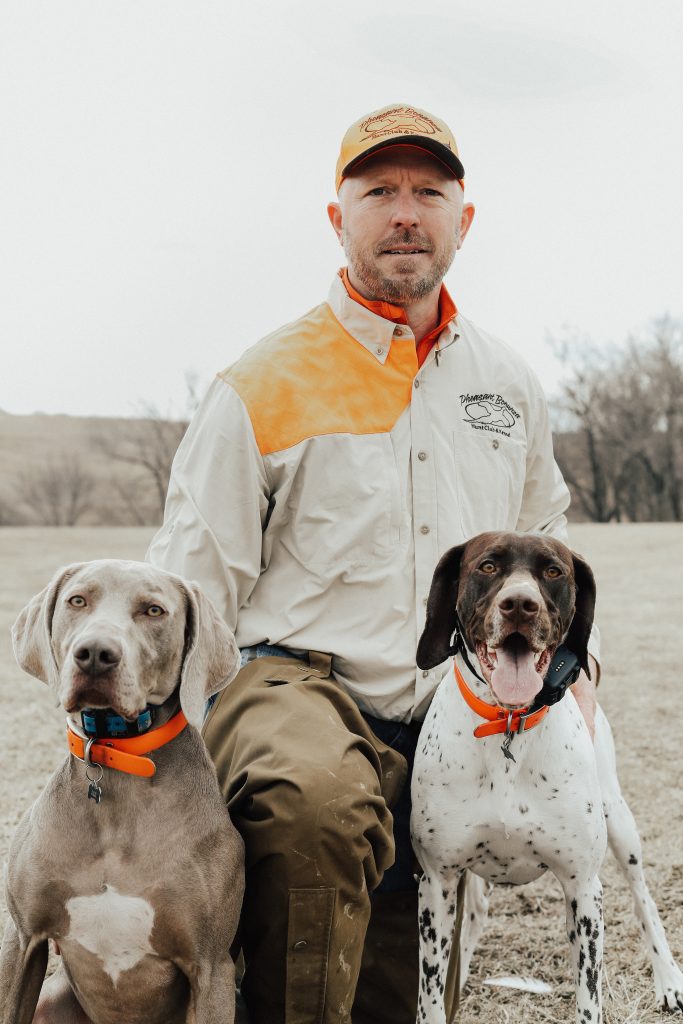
{"points": [[584, 692]]}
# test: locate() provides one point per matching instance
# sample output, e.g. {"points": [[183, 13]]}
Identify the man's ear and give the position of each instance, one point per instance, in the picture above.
{"points": [[466, 218], [435, 642], [334, 212]]}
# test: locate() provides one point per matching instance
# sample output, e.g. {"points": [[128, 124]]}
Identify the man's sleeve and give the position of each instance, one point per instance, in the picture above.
{"points": [[216, 505], [546, 496]]}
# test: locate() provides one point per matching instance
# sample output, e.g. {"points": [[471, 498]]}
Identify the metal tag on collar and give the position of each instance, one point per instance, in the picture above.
{"points": [[94, 790], [509, 736]]}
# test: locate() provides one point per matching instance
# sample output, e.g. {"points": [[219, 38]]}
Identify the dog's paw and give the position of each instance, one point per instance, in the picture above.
{"points": [[673, 1000], [670, 991]]}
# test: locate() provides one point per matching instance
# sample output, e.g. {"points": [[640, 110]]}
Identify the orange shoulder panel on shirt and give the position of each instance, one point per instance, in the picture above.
{"points": [[312, 377]]}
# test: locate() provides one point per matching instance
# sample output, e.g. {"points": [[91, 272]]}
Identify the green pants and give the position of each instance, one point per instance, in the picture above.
{"points": [[310, 789]]}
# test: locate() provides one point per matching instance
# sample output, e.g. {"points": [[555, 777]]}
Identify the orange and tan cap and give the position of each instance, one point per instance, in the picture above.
{"points": [[397, 125]]}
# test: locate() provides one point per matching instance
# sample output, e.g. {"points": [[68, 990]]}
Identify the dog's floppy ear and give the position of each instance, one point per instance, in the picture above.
{"points": [[435, 642], [582, 623], [212, 657], [32, 632]]}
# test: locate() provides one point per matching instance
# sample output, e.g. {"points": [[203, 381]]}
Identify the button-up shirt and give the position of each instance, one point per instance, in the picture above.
{"points": [[326, 472]]}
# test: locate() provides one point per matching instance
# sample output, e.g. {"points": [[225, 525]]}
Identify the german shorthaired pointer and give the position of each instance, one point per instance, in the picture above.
{"points": [[544, 798], [130, 863]]}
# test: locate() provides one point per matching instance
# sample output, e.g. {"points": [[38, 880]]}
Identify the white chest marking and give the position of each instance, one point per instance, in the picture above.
{"points": [[115, 928]]}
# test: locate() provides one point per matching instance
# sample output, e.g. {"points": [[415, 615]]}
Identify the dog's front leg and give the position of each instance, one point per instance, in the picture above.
{"points": [[439, 917], [213, 994], [474, 917], [22, 970], [584, 930]]}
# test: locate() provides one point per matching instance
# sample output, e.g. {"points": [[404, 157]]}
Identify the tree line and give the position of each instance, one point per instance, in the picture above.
{"points": [[618, 418], [619, 425]]}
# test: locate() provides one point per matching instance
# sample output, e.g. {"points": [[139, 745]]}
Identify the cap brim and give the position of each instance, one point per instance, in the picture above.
{"points": [[443, 154]]}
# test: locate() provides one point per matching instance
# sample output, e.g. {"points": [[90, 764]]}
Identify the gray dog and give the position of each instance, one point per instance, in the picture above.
{"points": [[128, 860]]}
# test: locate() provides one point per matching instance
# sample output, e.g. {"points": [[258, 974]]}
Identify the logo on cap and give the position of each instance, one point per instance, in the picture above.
{"points": [[400, 121]]}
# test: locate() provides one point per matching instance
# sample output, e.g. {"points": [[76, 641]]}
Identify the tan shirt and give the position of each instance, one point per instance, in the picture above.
{"points": [[325, 473]]}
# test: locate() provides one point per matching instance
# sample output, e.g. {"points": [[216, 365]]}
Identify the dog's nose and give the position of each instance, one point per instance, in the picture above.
{"points": [[518, 606], [96, 657]]}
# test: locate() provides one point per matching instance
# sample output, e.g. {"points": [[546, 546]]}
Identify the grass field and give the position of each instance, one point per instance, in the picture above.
{"points": [[640, 608]]}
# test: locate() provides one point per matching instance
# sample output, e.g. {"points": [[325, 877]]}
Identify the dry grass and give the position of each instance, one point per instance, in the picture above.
{"points": [[639, 608]]}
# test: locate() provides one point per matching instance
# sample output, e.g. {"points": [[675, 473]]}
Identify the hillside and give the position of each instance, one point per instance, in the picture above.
{"points": [[48, 460]]}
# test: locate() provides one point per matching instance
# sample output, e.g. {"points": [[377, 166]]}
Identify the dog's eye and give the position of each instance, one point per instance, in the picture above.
{"points": [[488, 567], [553, 571], [155, 610], [77, 601]]}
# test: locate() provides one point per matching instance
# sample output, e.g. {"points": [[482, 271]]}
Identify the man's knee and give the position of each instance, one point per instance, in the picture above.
{"points": [[321, 818]]}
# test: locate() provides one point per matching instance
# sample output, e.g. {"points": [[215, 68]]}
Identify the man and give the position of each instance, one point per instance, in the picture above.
{"points": [[317, 486]]}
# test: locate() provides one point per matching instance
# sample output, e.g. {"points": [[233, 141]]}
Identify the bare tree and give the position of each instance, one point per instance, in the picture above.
{"points": [[666, 374], [582, 453], [147, 444], [623, 454], [58, 492]]}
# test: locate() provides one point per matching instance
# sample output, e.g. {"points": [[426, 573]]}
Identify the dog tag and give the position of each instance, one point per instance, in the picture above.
{"points": [[94, 792], [506, 747]]}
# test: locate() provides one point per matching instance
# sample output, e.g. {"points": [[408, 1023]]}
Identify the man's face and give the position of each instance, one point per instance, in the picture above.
{"points": [[400, 218]]}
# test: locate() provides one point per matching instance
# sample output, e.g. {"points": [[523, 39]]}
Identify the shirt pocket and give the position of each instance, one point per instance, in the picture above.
{"points": [[490, 471], [344, 505]]}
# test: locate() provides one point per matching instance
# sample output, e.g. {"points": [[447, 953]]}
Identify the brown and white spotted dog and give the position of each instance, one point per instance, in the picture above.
{"points": [[554, 804]]}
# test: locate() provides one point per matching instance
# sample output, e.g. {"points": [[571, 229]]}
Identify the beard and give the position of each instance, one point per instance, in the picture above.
{"points": [[404, 286]]}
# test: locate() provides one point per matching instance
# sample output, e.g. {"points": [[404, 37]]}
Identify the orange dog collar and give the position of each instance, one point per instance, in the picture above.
{"points": [[126, 755], [499, 719]]}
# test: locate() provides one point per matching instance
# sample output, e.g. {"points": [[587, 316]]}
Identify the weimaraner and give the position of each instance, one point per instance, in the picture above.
{"points": [[141, 886]]}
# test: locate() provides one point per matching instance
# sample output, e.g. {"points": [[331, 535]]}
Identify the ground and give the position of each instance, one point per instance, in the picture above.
{"points": [[640, 601]]}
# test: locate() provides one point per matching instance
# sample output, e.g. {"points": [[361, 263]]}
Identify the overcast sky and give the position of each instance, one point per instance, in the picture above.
{"points": [[167, 165]]}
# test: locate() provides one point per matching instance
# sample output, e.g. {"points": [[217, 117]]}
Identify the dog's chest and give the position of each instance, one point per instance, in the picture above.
{"points": [[506, 820], [115, 927]]}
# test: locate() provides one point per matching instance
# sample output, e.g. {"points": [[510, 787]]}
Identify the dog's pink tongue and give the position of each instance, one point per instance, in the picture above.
{"points": [[515, 680]]}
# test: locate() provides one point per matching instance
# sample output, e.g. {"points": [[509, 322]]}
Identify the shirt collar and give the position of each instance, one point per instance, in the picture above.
{"points": [[374, 324]]}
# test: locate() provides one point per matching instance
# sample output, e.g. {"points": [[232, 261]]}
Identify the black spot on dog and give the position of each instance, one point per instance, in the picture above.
{"points": [[632, 859]]}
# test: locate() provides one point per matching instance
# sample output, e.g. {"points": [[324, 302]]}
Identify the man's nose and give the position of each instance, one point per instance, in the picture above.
{"points": [[97, 656], [405, 213]]}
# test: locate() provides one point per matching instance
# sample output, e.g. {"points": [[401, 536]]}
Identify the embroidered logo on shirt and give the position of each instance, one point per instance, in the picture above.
{"points": [[489, 412]]}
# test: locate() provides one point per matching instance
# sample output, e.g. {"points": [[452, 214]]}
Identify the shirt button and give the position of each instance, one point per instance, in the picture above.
{"points": [[301, 944], [399, 332], [379, 350], [422, 456], [424, 529], [416, 383], [495, 443], [425, 674]]}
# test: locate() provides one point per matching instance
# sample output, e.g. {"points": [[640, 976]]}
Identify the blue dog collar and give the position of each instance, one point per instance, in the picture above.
{"points": [[104, 722]]}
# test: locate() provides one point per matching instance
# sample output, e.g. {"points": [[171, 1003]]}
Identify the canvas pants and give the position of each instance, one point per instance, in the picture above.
{"points": [[311, 788]]}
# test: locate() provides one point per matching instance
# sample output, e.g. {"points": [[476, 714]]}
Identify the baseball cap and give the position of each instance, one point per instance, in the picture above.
{"points": [[397, 125]]}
